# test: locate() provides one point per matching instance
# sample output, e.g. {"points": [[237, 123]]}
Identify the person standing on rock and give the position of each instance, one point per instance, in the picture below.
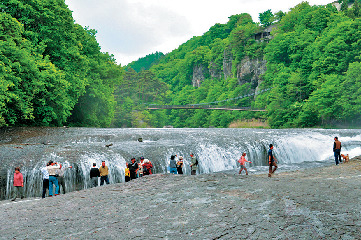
{"points": [[180, 165], [45, 173], [103, 172], [126, 173], [133, 168], [140, 166], [194, 164], [94, 175], [242, 162], [272, 161], [18, 184], [172, 165], [60, 176], [52, 168], [337, 150], [147, 167]]}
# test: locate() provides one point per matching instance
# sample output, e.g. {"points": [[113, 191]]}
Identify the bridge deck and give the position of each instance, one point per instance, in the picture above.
{"points": [[154, 107]]}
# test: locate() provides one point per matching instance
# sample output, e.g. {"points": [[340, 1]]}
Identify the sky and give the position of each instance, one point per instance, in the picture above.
{"points": [[131, 29]]}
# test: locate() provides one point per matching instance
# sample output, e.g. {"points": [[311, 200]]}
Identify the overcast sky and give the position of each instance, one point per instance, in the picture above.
{"points": [[130, 29]]}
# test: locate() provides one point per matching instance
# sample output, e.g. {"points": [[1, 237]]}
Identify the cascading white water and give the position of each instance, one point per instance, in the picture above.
{"points": [[216, 150]]}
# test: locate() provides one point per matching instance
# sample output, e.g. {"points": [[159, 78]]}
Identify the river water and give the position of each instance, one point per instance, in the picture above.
{"points": [[216, 150]]}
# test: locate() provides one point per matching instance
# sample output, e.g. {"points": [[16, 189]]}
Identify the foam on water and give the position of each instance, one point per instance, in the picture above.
{"points": [[216, 150]]}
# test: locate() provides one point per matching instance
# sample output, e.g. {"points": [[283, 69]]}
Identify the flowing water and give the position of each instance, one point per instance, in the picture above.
{"points": [[216, 150]]}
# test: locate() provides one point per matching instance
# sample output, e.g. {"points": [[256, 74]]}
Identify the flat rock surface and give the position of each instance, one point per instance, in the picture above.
{"points": [[320, 203]]}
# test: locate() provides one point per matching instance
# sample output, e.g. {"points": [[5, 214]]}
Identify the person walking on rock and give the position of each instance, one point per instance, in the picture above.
{"points": [[133, 168], [52, 168], [103, 172], [272, 161], [194, 164], [337, 150], [45, 173], [94, 175], [242, 162], [180, 165], [172, 165], [18, 184]]}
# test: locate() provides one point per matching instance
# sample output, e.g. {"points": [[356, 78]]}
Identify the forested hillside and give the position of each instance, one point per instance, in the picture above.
{"points": [[53, 73], [311, 63], [52, 70]]}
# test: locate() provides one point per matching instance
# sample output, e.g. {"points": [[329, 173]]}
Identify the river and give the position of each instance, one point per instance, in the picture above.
{"points": [[216, 150]]}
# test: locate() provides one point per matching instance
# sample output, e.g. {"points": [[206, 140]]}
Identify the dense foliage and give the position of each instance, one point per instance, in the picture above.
{"points": [[313, 70], [146, 62], [52, 70]]}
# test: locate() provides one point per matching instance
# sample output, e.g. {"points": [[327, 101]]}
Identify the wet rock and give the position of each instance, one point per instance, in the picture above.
{"points": [[308, 204]]}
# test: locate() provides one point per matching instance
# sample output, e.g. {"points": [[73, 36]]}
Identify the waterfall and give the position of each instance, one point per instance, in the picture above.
{"points": [[216, 150]]}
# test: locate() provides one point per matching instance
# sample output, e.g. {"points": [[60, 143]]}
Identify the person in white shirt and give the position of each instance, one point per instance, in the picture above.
{"points": [[45, 173], [52, 168]]}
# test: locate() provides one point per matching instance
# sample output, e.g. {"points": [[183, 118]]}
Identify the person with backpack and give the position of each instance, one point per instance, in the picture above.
{"points": [[147, 167], [194, 164], [180, 165]]}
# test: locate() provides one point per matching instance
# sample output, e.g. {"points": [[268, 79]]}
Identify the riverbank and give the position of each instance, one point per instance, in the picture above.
{"points": [[320, 203]]}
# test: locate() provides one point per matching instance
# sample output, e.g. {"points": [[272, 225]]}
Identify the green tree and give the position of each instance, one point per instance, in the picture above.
{"points": [[266, 18]]}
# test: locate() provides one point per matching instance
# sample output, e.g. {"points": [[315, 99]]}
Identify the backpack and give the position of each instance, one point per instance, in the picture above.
{"points": [[145, 171]]}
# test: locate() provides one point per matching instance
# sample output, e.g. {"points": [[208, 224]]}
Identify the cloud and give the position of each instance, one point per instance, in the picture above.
{"points": [[130, 29]]}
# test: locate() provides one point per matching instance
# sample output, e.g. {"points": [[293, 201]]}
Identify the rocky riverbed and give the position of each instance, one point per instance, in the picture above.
{"points": [[320, 203]]}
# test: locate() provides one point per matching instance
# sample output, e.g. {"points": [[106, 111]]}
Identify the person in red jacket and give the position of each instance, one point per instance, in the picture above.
{"points": [[18, 184], [147, 167]]}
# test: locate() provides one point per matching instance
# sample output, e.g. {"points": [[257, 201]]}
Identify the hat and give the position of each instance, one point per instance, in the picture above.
{"points": [[141, 157]]}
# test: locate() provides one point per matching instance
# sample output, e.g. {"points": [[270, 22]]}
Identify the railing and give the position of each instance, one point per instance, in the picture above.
{"points": [[227, 108]]}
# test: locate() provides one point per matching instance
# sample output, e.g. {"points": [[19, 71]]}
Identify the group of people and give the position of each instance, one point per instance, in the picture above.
{"points": [[176, 164], [135, 170], [101, 172], [272, 162], [53, 175]]}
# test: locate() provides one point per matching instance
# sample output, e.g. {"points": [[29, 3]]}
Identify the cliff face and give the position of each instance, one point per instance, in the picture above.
{"points": [[248, 71], [198, 75]]}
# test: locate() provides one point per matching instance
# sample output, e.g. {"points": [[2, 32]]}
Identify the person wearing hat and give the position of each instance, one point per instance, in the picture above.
{"points": [[180, 165], [133, 168], [147, 167]]}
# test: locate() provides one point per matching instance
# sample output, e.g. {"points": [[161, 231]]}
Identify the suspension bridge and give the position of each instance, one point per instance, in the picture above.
{"points": [[213, 107]]}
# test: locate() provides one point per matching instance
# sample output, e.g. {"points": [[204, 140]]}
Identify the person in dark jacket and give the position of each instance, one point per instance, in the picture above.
{"points": [[133, 168], [94, 175]]}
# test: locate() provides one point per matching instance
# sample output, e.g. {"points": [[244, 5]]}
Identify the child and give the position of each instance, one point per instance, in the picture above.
{"points": [[127, 173], [18, 184], [243, 161]]}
